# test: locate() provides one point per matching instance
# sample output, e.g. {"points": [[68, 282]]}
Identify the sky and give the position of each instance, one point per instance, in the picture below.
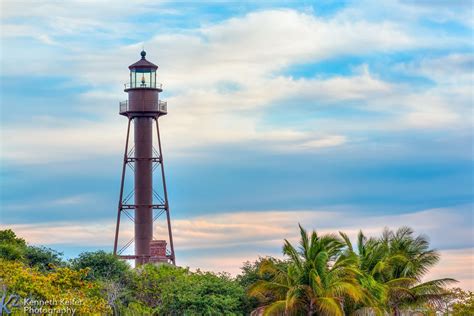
{"points": [[338, 115]]}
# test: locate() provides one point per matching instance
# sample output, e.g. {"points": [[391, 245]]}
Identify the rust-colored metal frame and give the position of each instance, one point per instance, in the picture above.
{"points": [[123, 206]]}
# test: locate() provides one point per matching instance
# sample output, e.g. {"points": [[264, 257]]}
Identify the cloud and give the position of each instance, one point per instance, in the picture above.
{"points": [[329, 141], [51, 143], [455, 263], [270, 227], [197, 118], [249, 53], [78, 199], [412, 12], [431, 117], [271, 35], [252, 47], [75, 16], [454, 68]]}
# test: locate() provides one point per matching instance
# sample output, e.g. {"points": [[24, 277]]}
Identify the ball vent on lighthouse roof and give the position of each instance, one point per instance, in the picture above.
{"points": [[143, 63]]}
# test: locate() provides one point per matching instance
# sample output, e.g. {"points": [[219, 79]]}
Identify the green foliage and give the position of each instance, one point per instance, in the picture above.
{"points": [[11, 247], [392, 267], [169, 290], [464, 307], [251, 274], [458, 302], [317, 279], [43, 258], [325, 275], [250, 271], [16, 249], [59, 288], [9, 237], [102, 265], [11, 252]]}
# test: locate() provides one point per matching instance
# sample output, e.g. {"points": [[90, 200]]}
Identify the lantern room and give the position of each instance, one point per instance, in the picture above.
{"points": [[143, 75]]}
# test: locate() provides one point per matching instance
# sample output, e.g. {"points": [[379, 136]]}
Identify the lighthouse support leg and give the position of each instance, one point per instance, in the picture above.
{"points": [[119, 212], [165, 192]]}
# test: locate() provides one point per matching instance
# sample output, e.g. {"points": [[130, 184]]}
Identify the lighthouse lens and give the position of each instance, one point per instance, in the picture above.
{"points": [[143, 78]]}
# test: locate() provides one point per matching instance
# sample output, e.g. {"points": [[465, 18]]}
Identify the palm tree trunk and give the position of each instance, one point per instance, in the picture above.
{"points": [[311, 308], [396, 311]]}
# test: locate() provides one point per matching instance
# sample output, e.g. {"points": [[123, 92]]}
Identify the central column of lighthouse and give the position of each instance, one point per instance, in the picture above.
{"points": [[143, 187]]}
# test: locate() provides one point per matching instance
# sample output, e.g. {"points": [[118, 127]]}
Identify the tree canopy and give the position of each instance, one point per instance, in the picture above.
{"points": [[325, 275], [169, 290], [102, 265]]}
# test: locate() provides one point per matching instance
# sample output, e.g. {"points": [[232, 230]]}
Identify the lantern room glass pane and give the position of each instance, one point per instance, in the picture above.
{"points": [[143, 78], [153, 79]]}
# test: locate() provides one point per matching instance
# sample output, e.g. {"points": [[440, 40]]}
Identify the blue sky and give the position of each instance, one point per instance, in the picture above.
{"points": [[339, 115]]}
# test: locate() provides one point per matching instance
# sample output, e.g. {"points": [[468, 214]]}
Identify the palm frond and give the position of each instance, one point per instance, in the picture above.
{"points": [[316, 282], [291, 252], [347, 241], [351, 290], [276, 308], [277, 273], [262, 287], [329, 306], [361, 239], [321, 261], [439, 282], [405, 282], [304, 242]]}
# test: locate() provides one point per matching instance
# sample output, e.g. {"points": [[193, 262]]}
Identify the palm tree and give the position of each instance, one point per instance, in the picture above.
{"points": [[317, 280], [393, 266], [370, 257]]}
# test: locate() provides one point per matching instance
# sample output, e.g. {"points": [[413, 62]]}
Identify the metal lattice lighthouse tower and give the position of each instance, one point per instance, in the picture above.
{"points": [[143, 108]]}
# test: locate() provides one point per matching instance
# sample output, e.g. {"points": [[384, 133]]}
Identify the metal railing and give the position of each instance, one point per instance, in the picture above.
{"points": [[145, 106], [146, 85], [163, 106], [123, 107]]}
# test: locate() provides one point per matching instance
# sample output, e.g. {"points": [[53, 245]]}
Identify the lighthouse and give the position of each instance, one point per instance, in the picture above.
{"points": [[144, 204]]}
